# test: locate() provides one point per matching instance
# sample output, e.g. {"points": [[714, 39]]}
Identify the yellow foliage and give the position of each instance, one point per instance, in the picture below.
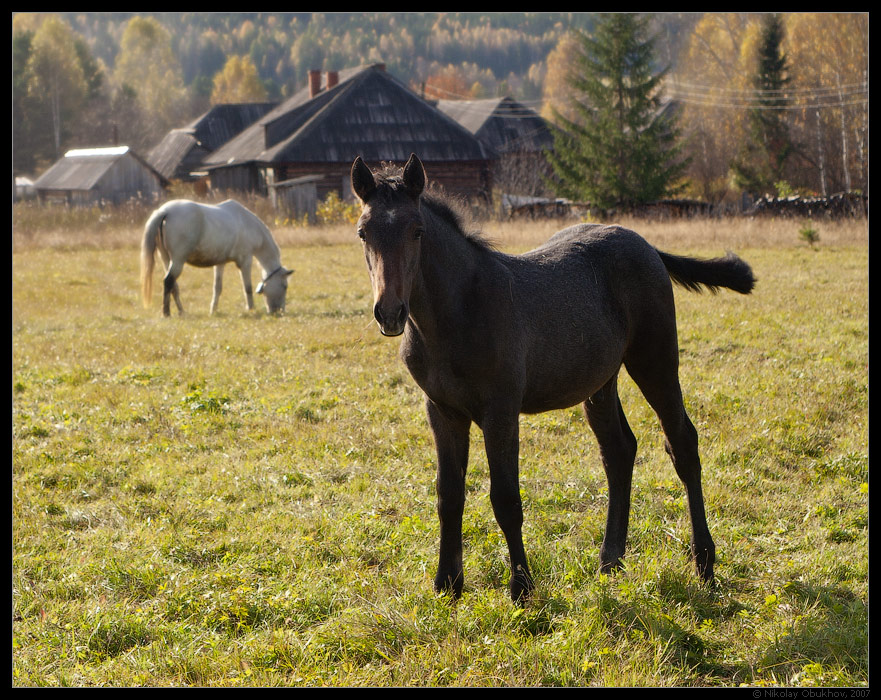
{"points": [[334, 210], [238, 82]]}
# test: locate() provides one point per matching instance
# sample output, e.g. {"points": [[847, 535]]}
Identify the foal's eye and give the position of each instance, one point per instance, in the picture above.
{"points": [[361, 234], [417, 234]]}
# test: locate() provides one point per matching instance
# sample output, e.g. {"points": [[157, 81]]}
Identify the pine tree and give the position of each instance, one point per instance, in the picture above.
{"points": [[760, 167], [620, 149]]}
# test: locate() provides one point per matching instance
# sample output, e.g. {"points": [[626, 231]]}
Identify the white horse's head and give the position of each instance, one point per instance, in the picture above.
{"points": [[274, 289]]}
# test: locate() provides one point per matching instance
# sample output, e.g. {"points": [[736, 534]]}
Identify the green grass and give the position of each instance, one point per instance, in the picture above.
{"points": [[245, 500]]}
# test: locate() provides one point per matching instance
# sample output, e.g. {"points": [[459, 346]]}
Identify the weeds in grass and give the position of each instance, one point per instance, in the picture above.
{"points": [[809, 234]]}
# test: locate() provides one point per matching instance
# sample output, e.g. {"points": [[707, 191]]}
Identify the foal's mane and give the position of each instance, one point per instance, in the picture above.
{"points": [[440, 203]]}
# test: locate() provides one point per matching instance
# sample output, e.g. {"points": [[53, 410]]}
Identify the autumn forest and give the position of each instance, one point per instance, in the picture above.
{"points": [[82, 79]]}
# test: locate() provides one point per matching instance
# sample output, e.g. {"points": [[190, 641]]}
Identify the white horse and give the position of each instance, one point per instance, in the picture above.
{"points": [[207, 235]]}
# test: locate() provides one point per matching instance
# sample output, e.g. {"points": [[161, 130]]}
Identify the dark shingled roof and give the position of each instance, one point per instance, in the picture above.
{"points": [[367, 113], [502, 123], [182, 150], [224, 121], [177, 154]]}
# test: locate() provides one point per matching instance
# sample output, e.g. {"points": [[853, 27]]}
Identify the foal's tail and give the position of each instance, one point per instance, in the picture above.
{"points": [[729, 271], [152, 231]]}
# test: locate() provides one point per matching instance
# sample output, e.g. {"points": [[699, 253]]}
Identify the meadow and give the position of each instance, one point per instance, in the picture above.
{"points": [[248, 500]]}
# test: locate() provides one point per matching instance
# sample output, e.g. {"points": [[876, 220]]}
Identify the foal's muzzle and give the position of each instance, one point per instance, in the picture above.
{"points": [[391, 321]]}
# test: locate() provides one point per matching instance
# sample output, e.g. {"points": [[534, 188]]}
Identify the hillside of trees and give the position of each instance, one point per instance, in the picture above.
{"points": [[82, 79]]}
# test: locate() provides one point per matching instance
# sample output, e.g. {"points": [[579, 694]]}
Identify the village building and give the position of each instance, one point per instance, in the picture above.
{"points": [[24, 188], [367, 112], [521, 137], [502, 123], [100, 176], [180, 154]]}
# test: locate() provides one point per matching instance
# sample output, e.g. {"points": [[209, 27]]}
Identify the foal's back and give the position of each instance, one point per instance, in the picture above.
{"points": [[595, 274], [582, 297]]}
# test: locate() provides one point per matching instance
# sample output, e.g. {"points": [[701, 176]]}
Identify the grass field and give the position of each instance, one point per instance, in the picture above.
{"points": [[248, 500]]}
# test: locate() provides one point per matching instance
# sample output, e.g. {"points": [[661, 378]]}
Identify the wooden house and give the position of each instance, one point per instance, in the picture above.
{"points": [[502, 123], [343, 114], [99, 176], [179, 155], [517, 133]]}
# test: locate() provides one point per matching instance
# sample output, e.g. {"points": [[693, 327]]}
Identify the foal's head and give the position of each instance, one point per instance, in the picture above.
{"points": [[390, 227]]}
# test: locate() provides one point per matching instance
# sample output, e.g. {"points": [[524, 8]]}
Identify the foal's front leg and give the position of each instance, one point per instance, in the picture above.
{"points": [[451, 437], [502, 439]]}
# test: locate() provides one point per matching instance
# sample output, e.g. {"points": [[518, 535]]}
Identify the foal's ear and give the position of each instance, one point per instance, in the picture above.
{"points": [[414, 176], [363, 183]]}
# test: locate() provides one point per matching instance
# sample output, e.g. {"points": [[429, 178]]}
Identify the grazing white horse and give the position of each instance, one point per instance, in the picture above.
{"points": [[208, 235]]}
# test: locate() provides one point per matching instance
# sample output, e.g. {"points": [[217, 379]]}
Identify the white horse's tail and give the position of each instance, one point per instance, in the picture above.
{"points": [[152, 231]]}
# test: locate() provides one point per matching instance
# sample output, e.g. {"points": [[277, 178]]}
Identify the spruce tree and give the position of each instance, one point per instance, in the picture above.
{"points": [[760, 166], [620, 150]]}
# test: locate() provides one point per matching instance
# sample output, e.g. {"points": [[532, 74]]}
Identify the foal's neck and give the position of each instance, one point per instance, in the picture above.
{"points": [[449, 265]]}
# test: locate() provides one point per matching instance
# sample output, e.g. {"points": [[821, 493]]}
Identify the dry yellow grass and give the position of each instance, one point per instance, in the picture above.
{"points": [[33, 227], [701, 234]]}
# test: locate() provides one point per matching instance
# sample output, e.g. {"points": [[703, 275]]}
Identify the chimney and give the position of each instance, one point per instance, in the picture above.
{"points": [[314, 82], [333, 77]]}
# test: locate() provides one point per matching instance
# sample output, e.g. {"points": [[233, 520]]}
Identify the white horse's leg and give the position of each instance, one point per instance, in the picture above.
{"points": [[176, 294], [170, 289], [175, 290], [218, 286], [245, 269]]}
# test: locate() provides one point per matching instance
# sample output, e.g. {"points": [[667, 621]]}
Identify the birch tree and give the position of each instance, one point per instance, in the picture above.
{"points": [[55, 76]]}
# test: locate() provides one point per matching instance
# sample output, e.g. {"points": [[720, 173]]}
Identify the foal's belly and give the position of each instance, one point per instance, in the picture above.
{"points": [[543, 386], [542, 404], [564, 391]]}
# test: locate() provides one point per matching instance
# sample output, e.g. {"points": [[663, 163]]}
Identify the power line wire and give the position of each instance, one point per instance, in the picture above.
{"points": [[765, 107], [712, 96], [862, 86]]}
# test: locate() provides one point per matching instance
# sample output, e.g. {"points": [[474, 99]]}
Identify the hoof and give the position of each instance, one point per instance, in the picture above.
{"points": [[610, 564], [449, 584], [703, 561], [521, 584], [611, 567], [705, 570], [611, 559]]}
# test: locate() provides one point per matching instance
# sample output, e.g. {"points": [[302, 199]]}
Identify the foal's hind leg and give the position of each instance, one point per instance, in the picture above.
{"points": [[618, 452], [656, 375]]}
